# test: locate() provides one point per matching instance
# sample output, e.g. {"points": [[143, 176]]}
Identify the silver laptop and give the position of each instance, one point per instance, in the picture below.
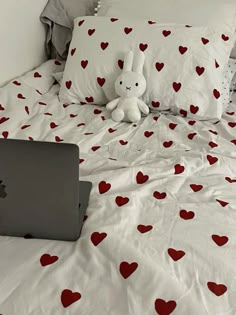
{"points": [[40, 192]]}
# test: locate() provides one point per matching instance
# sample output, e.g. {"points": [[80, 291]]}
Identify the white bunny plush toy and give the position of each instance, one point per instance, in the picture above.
{"points": [[130, 85]]}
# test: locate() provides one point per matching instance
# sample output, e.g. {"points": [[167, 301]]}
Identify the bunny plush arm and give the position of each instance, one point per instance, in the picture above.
{"points": [[112, 104], [130, 85], [143, 107]]}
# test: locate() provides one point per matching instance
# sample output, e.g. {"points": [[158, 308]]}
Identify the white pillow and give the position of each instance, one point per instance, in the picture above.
{"points": [[183, 66], [195, 12]]}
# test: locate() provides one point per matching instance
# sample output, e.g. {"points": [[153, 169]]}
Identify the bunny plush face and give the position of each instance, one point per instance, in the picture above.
{"points": [[130, 84]]}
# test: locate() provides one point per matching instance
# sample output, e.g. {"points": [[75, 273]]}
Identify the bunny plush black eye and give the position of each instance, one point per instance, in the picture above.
{"points": [[120, 82], [136, 84]]}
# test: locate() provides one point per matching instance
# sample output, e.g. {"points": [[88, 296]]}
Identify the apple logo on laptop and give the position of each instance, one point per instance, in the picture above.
{"points": [[3, 192]]}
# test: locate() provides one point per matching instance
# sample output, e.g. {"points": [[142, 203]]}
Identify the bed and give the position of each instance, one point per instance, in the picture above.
{"points": [[159, 233]]}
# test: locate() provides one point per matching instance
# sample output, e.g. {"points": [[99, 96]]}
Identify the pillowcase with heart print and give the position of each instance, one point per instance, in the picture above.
{"points": [[183, 65]]}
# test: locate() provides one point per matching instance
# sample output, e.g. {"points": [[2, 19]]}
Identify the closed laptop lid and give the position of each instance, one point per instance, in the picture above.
{"points": [[39, 189]]}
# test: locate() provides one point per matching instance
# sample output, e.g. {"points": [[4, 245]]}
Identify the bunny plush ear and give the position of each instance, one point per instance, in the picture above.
{"points": [[128, 62], [139, 62]]}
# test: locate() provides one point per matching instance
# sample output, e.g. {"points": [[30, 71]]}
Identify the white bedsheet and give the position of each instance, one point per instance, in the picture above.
{"points": [[159, 236]]}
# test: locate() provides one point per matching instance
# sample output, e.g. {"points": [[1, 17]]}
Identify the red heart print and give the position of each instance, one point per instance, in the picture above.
{"points": [[53, 125], [220, 240], [80, 22], [148, 134], [37, 75], [164, 308], [20, 96], [121, 64], [4, 119], [194, 109], [167, 144], [175, 254], [84, 63], [216, 64], [159, 195], [88, 133], [232, 124], [192, 135], [47, 114], [200, 70], [196, 187], [212, 159], [155, 118], [216, 93], [5, 134], [191, 122], [73, 115], [166, 33], [16, 83], [27, 109], [58, 139], [213, 144], [230, 113], [179, 169], [42, 103], [68, 297], [95, 148], [89, 99], [121, 201], [155, 104], [81, 161], [141, 178], [101, 81], [97, 238], [222, 203], [144, 228], [73, 51], [97, 111], [159, 66], [176, 86], [114, 19], [233, 141], [186, 215], [104, 45], [47, 259], [68, 84], [126, 269], [110, 130], [123, 142], [104, 187], [91, 31], [57, 63], [1, 107], [182, 49], [230, 180], [81, 124], [25, 127], [183, 113], [143, 47], [224, 37], [172, 126], [66, 105], [205, 40], [217, 289], [151, 22], [127, 30]]}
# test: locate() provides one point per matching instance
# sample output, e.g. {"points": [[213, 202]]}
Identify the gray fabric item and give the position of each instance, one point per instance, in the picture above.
{"points": [[59, 17]]}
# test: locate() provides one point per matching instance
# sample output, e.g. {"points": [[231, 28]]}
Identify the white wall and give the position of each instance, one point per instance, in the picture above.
{"points": [[22, 37]]}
